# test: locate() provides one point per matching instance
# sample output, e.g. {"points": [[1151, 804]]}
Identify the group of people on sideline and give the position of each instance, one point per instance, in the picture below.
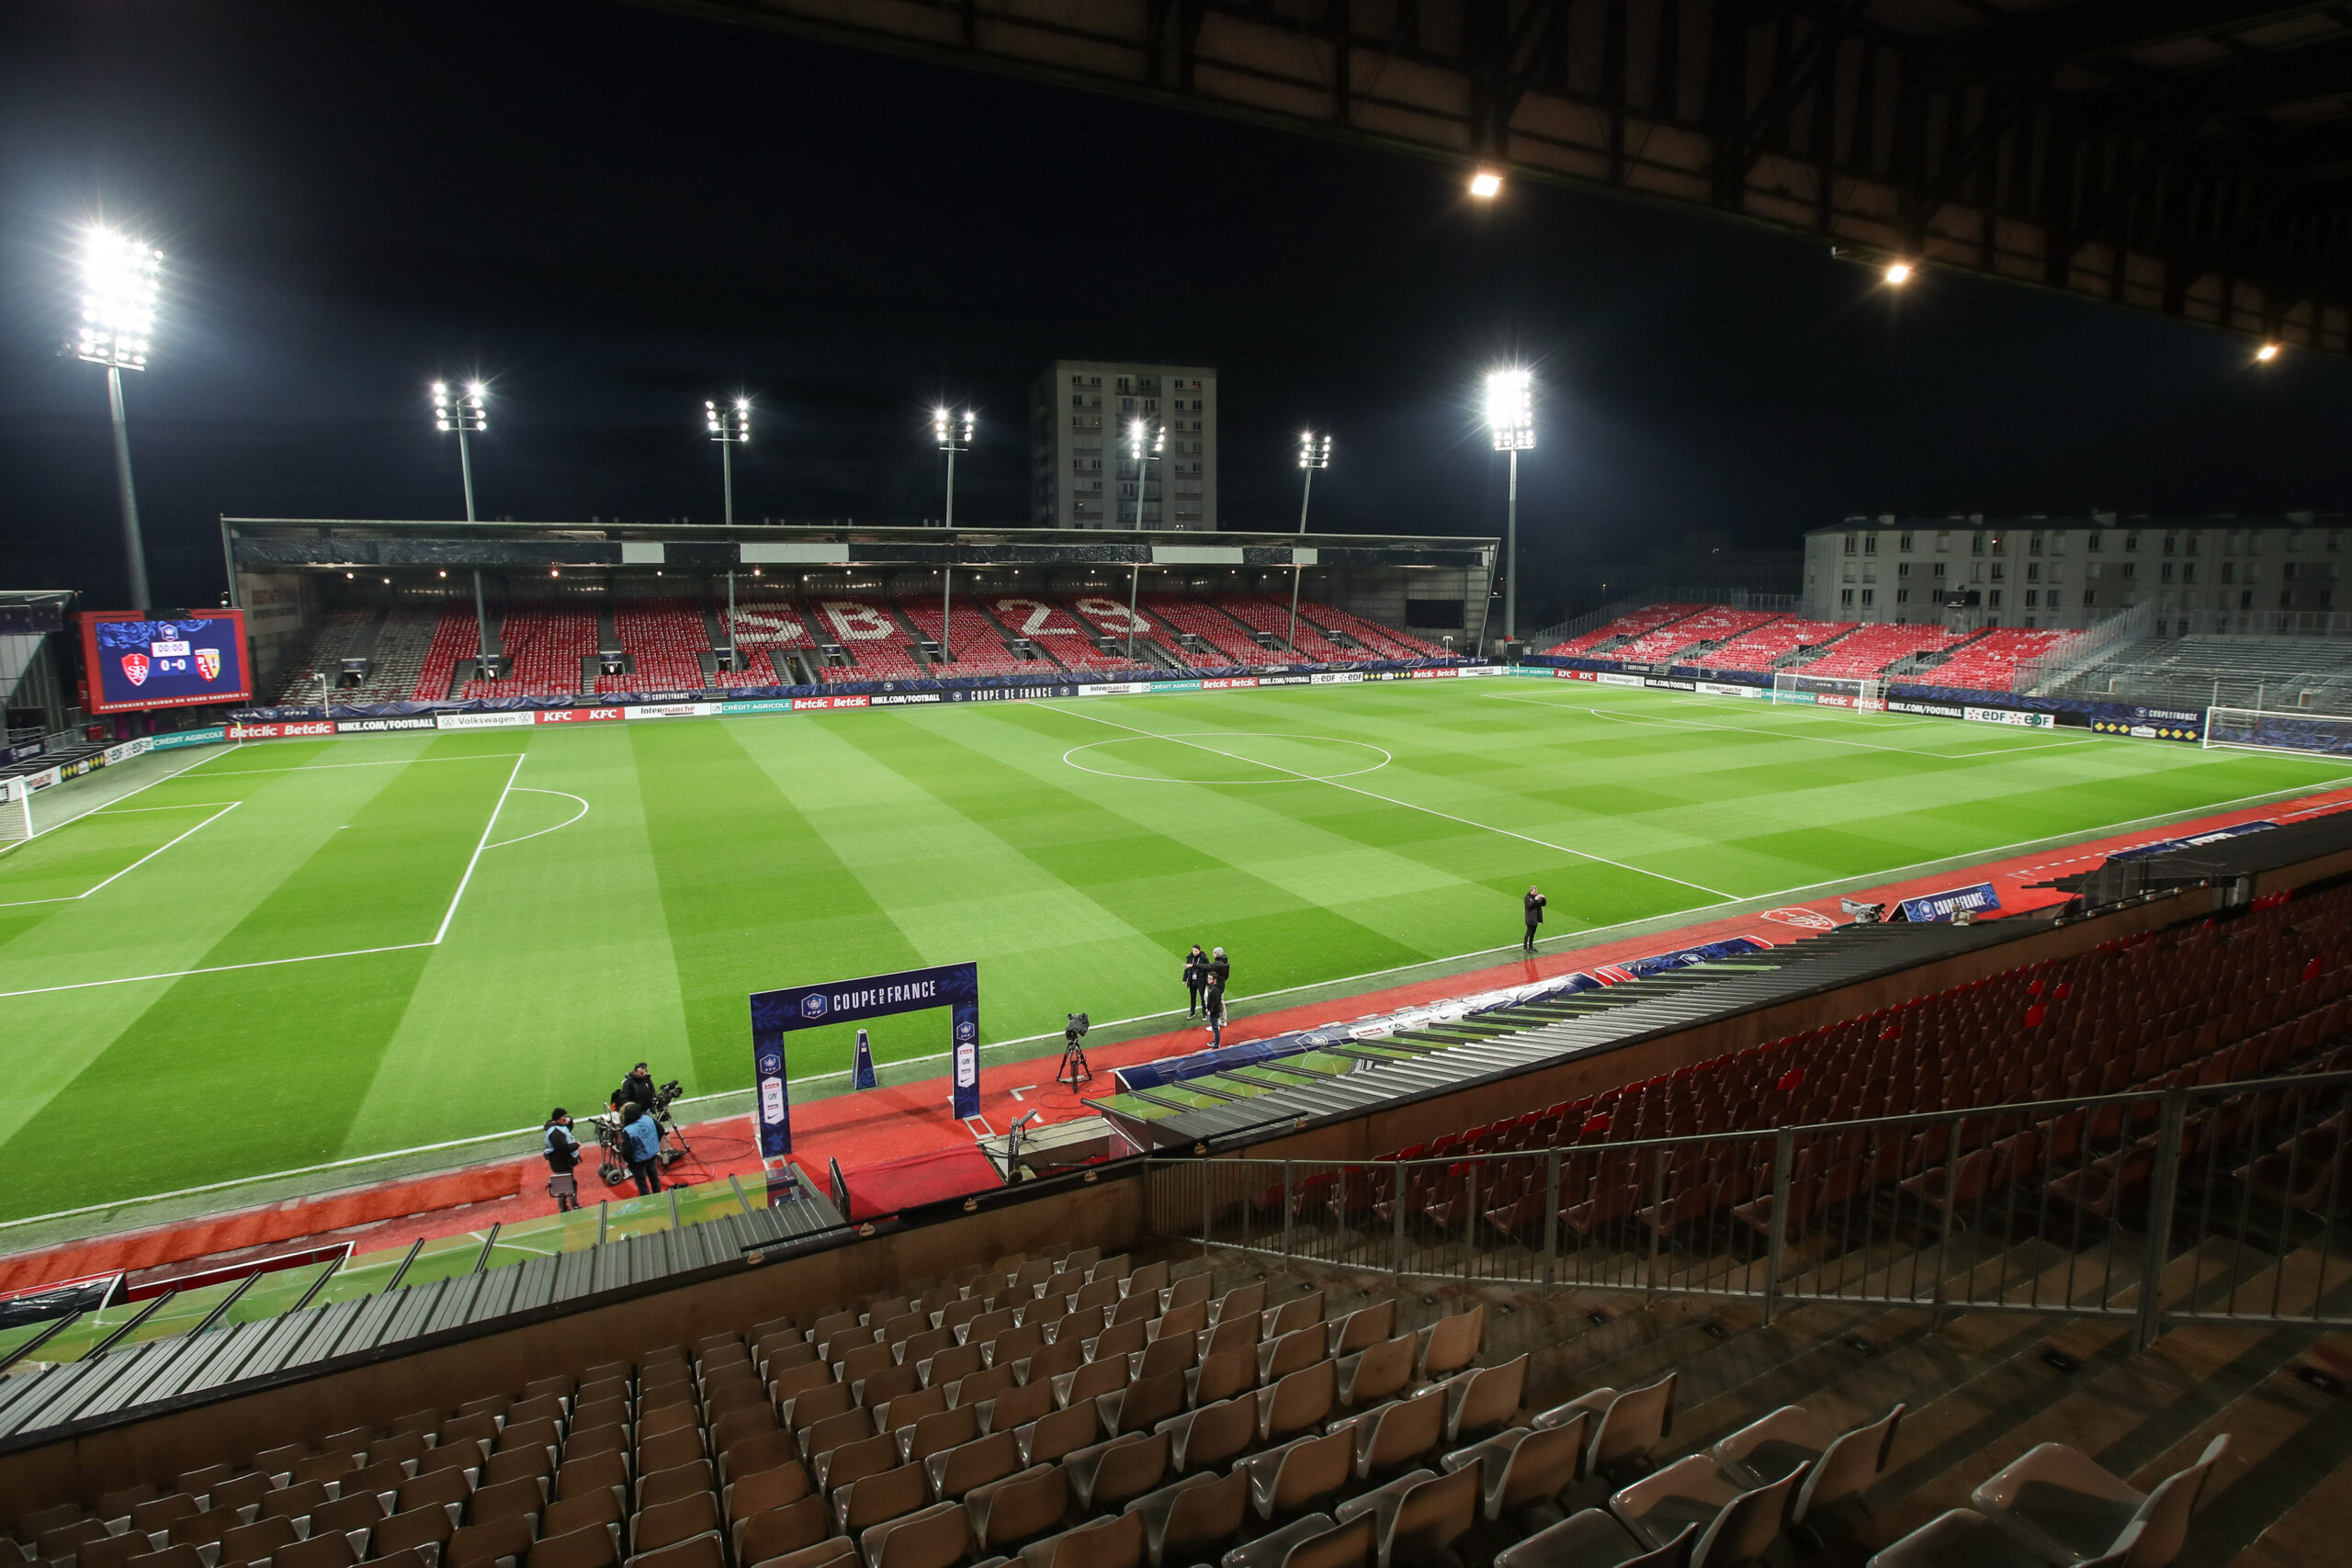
{"points": [[640, 1137], [1205, 974]]}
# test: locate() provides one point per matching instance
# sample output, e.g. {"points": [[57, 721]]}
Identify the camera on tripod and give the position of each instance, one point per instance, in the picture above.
{"points": [[612, 1141], [1074, 1070]]}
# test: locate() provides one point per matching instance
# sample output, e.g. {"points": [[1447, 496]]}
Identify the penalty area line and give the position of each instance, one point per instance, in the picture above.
{"points": [[134, 865]]}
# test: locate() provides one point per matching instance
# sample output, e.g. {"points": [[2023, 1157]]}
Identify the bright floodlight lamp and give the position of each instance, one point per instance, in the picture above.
{"points": [[1510, 409], [1145, 442], [1314, 452], [1511, 414], [121, 280], [2267, 353], [1486, 182], [1898, 273], [462, 413]]}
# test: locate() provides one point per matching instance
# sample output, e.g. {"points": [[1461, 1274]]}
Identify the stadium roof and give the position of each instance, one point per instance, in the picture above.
{"points": [[2192, 157], [2226, 520]]}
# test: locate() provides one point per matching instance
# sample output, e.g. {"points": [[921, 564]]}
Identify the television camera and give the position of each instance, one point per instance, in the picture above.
{"points": [[613, 1146]]}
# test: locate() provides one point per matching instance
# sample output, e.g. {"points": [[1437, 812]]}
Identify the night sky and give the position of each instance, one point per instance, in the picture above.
{"points": [[614, 213]]}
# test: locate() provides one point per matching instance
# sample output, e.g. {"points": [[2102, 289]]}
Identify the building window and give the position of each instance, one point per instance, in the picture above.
{"points": [[1903, 595], [1903, 544], [2092, 543], [2172, 543], [2189, 545], [2090, 596], [1845, 596], [2131, 543], [2000, 543], [1851, 543], [1976, 545], [2034, 571], [1999, 568], [2032, 599], [2188, 570], [1868, 594], [1939, 571], [1944, 539], [2166, 576], [2229, 571], [2286, 598], [1993, 599], [2033, 545], [1903, 568], [2131, 570], [1870, 544]]}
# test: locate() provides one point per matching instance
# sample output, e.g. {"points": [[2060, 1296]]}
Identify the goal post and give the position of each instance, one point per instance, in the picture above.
{"points": [[2263, 730], [16, 812], [1865, 695]]}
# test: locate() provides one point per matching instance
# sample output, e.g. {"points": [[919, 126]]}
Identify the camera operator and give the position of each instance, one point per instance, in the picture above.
{"points": [[642, 1135], [637, 1089], [562, 1155]]}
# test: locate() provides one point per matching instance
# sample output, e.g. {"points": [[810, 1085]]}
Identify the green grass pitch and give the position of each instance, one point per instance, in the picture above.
{"points": [[522, 913]]}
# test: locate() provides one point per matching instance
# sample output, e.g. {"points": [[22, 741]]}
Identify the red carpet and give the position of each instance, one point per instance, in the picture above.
{"points": [[915, 1179], [883, 1128]]}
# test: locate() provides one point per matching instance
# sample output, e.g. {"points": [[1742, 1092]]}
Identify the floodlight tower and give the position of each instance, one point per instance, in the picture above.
{"points": [[1511, 414], [466, 414], [1143, 442], [120, 279], [952, 431], [1314, 452], [727, 426]]}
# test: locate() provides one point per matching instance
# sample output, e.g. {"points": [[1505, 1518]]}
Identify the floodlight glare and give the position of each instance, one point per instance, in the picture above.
{"points": [[1898, 273], [2267, 353], [463, 415], [952, 433], [730, 426], [1485, 184], [1314, 452], [122, 279], [1510, 409]]}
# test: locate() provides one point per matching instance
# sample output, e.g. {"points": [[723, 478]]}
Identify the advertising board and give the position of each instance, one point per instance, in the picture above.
{"points": [[133, 662]]}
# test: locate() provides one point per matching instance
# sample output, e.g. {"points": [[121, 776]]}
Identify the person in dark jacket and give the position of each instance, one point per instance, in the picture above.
{"points": [[1196, 978], [562, 1155], [643, 1136], [1534, 902], [1213, 1005], [637, 1089], [1220, 966]]}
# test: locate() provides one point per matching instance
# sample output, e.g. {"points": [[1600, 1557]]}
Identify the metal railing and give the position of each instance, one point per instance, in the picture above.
{"points": [[2225, 1202]]}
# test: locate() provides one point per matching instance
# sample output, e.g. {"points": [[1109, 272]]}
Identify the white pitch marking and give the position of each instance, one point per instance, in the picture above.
{"points": [[1022, 1089], [483, 844], [1718, 894], [1788, 735], [567, 822], [126, 871], [322, 767]]}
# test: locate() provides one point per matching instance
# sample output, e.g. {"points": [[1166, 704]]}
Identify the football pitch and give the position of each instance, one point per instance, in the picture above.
{"points": [[293, 952]]}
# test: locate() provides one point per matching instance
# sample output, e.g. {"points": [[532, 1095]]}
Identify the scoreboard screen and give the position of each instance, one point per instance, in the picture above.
{"points": [[133, 662]]}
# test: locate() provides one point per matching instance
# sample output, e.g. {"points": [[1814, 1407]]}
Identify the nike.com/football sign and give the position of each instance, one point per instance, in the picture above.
{"points": [[130, 662], [774, 1014]]}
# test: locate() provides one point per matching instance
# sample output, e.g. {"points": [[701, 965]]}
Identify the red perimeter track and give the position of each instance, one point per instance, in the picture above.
{"points": [[865, 1129]]}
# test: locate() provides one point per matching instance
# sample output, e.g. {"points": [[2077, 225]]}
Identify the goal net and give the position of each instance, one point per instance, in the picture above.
{"points": [[16, 812], [2260, 730], [1829, 692]]}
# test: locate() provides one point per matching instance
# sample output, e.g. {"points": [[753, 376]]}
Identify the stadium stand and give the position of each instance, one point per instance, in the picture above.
{"points": [[455, 635], [1261, 614], [1990, 662], [1109, 617], [545, 642], [871, 634], [1764, 647], [1714, 624], [1198, 618], [1054, 630], [1875, 649], [765, 631], [1377, 640], [977, 646], [1632, 623], [665, 639]]}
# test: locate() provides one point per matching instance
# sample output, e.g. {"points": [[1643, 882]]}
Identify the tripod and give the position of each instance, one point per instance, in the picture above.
{"points": [[1073, 1070]]}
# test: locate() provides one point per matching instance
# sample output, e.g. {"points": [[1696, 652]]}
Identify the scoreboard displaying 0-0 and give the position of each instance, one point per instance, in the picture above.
{"points": [[135, 661]]}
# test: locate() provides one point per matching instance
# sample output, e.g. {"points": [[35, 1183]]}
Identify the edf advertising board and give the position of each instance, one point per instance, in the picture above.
{"points": [[133, 662]]}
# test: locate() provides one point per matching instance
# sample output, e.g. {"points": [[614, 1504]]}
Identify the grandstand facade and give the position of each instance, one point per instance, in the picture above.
{"points": [[2223, 575], [393, 613]]}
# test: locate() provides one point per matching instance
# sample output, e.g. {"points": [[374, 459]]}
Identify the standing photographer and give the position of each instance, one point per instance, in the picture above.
{"points": [[637, 1089], [642, 1135], [562, 1155]]}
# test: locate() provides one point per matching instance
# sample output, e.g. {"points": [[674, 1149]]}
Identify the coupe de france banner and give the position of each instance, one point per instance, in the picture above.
{"points": [[774, 1014]]}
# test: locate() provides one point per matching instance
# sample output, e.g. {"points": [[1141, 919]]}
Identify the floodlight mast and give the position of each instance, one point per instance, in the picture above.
{"points": [[121, 280], [1511, 414], [466, 414], [727, 426], [1314, 452], [953, 433], [1143, 444]]}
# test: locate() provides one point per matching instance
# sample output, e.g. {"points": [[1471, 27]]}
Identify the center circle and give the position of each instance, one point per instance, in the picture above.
{"points": [[1215, 762]]}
